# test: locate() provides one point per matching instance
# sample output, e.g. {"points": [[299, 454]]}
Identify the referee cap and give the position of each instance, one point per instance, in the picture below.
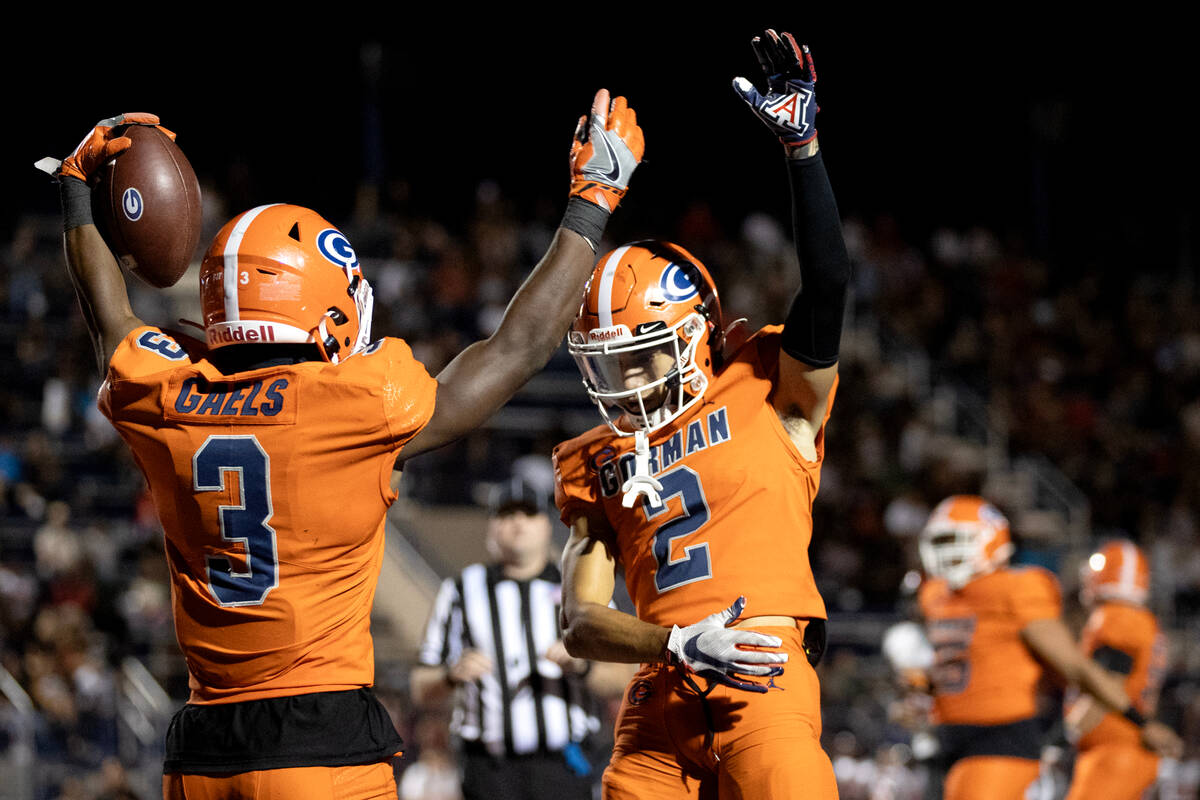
{"points": [[515, 495]]}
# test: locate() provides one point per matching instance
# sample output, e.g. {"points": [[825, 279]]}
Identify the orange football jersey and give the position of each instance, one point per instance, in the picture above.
{"points": [[983, 673], [736, 513], [1134, 634], [272, 486]]}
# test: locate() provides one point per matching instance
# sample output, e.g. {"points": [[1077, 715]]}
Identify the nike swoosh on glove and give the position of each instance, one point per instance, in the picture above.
{"points": [[607, 147]]}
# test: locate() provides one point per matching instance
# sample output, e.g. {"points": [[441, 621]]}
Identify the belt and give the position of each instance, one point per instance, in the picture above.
{"points": [[771, 621]]}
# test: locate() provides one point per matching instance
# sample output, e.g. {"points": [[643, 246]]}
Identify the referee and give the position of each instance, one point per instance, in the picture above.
{"points": [[521, 709]]}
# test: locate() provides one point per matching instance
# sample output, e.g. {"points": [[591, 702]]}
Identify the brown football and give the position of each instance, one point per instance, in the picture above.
{"points": [[147, 205]]}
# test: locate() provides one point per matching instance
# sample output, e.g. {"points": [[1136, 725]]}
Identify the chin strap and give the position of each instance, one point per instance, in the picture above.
{"points": [[641, 482]]}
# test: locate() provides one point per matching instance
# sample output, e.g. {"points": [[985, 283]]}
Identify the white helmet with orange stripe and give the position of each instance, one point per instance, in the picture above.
{"points": [[965, 537], [283, 274], [646, 335], [1117, 571]]}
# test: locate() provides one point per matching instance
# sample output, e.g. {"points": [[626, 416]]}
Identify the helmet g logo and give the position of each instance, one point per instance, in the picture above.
{"points": [[336, 248], [131, 204], [676, 285]]}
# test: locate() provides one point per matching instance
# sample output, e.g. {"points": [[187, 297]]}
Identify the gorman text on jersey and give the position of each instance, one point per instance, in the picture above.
{"points": [[701, 433]]}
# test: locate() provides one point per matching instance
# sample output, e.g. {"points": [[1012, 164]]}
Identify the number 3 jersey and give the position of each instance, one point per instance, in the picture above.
{"points": [[983, 673], [736, 513], [272, 486]]}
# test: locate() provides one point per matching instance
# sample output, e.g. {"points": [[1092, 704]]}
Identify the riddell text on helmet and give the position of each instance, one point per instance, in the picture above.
{"points": [[264, 333]]}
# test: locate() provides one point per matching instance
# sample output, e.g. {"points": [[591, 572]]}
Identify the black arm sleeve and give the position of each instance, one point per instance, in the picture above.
{"points": [[813, 329]]}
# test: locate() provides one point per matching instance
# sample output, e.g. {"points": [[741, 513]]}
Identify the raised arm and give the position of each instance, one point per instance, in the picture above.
{"points": [[607, 147], [99, 282], [813, 329]]}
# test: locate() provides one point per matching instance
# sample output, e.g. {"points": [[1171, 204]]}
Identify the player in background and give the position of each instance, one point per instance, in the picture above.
{"points": [[1123, 637], [994, 630], [700, 486], [272, 452]]}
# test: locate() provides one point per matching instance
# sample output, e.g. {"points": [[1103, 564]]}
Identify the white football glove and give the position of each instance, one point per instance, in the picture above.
{"points": [[714, 651]]}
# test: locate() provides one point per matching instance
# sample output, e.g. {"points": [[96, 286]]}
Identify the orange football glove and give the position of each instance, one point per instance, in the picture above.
{"points": [[100, 145], [607, 147]]}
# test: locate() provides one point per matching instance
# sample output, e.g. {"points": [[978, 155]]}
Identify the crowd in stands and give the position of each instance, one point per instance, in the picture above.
{"points": [[1096, 371]]}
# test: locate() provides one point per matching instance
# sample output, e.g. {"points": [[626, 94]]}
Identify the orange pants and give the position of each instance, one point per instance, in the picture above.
{"points": [[1113, 772], [990, 778], [361, 782], [763, 746]]}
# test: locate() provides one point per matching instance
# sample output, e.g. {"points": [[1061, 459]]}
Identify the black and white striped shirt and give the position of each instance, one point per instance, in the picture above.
{"points": [[526, 704]]}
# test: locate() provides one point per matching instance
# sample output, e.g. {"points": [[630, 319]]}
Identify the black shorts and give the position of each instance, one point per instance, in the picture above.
{"points": [[1020, 739], [323, 729]]}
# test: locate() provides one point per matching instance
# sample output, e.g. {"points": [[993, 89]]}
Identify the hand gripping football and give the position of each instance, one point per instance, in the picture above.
{"points": [[146, 203]]}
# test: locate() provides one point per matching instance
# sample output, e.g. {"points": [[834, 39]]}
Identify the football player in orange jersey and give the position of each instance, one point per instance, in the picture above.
{"points": [[1122, 636], [273, 449], [994, 629], [700, 486]]}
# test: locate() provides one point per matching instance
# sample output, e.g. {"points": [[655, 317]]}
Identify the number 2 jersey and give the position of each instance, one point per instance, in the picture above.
{"points": [[736, 513], [983, 673], [272, 486]]}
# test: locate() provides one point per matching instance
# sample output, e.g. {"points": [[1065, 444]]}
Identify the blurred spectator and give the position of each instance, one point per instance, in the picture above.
{"points": [[434, 775]]}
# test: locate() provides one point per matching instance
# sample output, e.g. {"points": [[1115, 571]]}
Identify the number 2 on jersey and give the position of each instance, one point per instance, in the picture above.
{"points": [[696, 565], [245, 523]]}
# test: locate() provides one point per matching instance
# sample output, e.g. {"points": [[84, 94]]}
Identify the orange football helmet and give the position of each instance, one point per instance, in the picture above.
{"points": [[1119, 570], [647, 335], [283, 274], [965, 537]]}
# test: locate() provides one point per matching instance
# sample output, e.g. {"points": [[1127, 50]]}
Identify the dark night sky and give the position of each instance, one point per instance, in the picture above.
{"points": [[933, 120]]}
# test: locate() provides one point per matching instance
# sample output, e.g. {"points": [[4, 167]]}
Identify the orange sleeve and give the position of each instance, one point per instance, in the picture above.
{"points": [[144, 351], [409, 392], [924, 596], [391, 373], [1129, 633], [574, 494], [1036, 595], [148, 350]]}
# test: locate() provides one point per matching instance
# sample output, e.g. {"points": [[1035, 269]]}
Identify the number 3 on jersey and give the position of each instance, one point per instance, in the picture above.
{"points": [[951, 640], [245, 523], [697, 564]]}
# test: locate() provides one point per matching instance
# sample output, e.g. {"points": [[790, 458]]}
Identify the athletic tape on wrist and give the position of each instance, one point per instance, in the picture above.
{"points": [[586, 219], [76, 199]]}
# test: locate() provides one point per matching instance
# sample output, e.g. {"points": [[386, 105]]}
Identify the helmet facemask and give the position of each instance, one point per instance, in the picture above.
{"points": [[959, 549], [953, 554], [642, 381], [325, 334]]}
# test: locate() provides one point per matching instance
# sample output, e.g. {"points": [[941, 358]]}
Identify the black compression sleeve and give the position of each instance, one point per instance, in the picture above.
{"points": [[813, 329]]}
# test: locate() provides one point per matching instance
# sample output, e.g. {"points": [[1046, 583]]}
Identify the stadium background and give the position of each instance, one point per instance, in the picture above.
{"points": [[1019, 205]]}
